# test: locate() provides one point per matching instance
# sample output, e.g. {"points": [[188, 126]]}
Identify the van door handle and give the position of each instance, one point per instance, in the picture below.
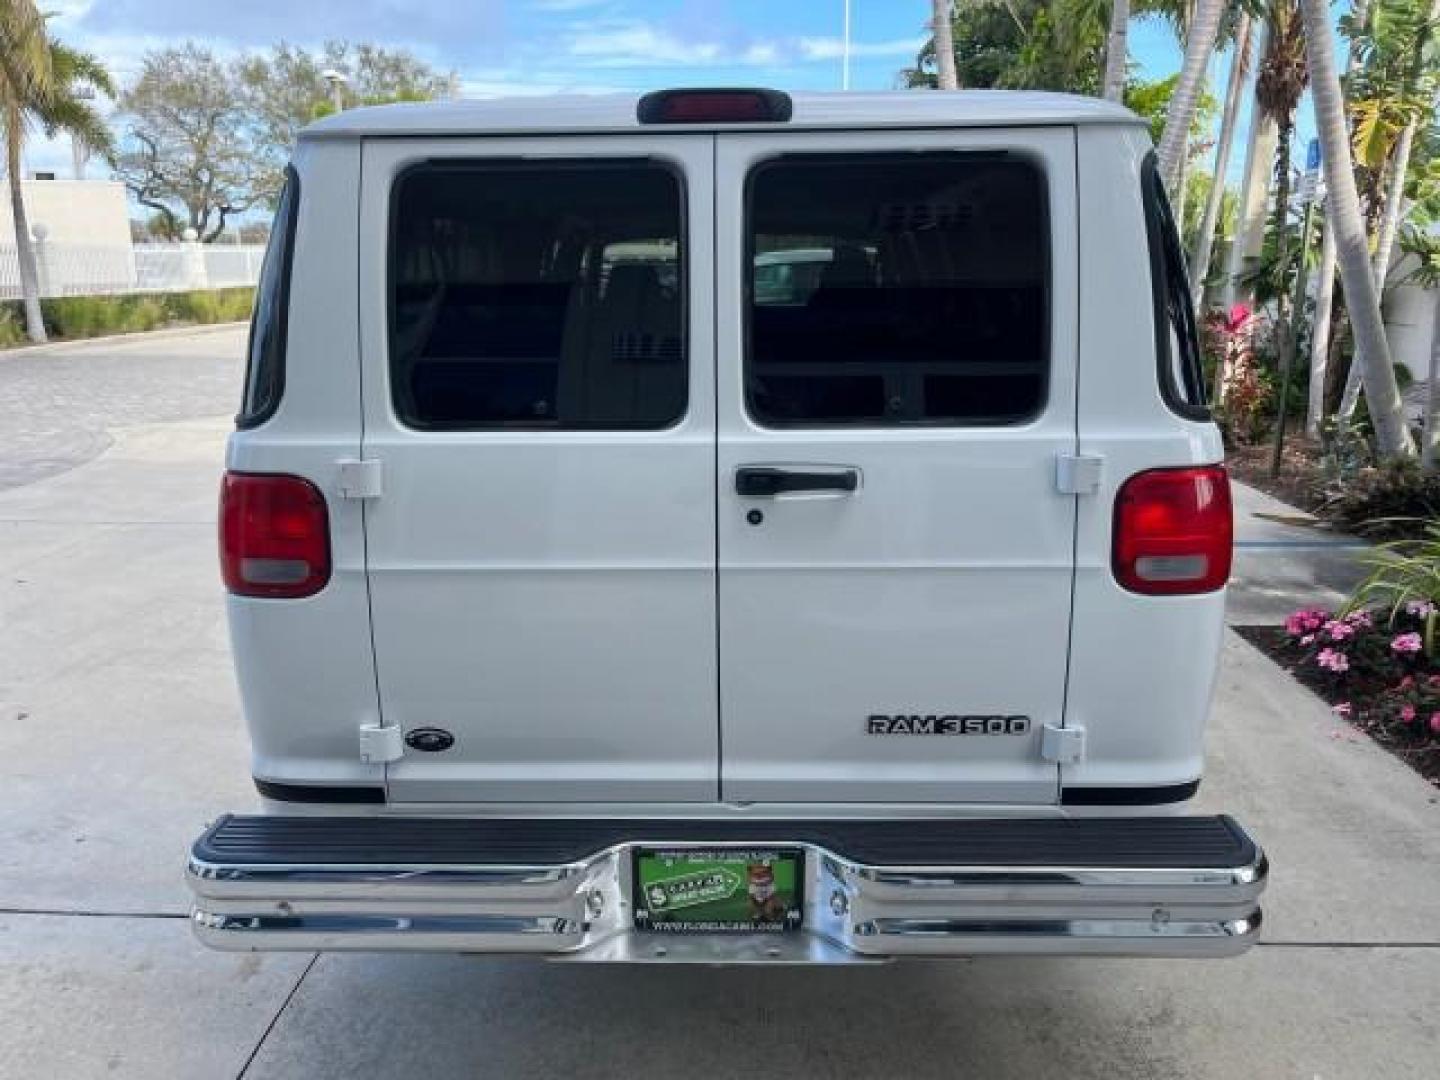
{"points": [[768, 481]]}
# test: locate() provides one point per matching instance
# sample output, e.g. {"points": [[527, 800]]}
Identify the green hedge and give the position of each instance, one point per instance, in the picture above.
{"points": [[69, 317]]}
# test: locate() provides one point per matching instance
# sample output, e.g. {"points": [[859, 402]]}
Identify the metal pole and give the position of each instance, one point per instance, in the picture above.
{"points": [[1287, 354], [845, 51]]}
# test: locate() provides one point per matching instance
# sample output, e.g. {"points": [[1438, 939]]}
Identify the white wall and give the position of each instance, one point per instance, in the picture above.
{"points": [[88, 212], [1410, 319]]}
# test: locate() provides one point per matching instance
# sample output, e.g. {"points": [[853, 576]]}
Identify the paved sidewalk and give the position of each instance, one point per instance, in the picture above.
{"points": [[1285, 559]]}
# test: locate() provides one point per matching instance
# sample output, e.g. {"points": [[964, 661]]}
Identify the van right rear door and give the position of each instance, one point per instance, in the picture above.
{"points": [[897, 354]]}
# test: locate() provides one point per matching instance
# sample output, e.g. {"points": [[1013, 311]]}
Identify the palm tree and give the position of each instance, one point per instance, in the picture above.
{"points": [[1386, 126], [1372, 351], [1199, 44], [1325, 279], [1279, 84], [1205, 239], [944, 44], [25, 75], [41, 81], [1116, 45], [1430, 430], [1413, 101]]}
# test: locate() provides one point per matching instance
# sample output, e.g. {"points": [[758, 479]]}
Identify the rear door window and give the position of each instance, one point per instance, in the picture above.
{"points": [[890, 289], [538, 295], [265, 363], [1182, 378]]}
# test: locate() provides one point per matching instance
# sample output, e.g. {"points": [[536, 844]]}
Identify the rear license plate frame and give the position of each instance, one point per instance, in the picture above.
{"points": [[683, 874]]}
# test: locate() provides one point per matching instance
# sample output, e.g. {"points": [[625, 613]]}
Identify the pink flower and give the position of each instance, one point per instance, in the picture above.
{"points": [[1333, 660], [1308, 639], [1344, 709], [1360, 619], [1406, 643], [1421, 609], [1407, 713], [1435, 722], [1338, 630], [1305, 621]]}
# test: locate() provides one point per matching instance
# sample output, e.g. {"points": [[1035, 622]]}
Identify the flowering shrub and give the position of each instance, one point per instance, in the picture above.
{"points": [[1243, 390], [1378, 669]]}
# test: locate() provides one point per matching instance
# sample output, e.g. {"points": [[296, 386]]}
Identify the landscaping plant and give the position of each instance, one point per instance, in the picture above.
{"points": [[1376, 667]]}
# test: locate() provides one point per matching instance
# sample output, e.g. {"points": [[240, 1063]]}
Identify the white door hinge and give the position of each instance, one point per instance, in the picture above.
{"points": [[359, 479], [1064, 745], [379, 744], [1078, 474]]}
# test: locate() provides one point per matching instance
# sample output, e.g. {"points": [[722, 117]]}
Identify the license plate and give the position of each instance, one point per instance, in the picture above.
{"points": [[721, 890]]}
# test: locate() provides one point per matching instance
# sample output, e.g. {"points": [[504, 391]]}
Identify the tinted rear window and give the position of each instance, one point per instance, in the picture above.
{"points": [[1177, 342], [265, 364], [897, 289], [532, 295]]}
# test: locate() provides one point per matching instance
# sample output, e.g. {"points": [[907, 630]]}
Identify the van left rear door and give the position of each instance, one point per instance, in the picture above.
{"points": [[537, 321]]}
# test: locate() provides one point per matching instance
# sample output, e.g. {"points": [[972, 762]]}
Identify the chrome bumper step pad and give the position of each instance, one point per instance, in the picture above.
{"points": [[1184, 886]]}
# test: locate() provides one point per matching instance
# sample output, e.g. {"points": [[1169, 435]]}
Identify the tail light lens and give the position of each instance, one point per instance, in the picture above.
{"points": [[274, 535], [1173, 531]]}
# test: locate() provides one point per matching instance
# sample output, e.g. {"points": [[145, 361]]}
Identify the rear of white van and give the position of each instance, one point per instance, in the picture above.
{"points": [[807, 499]]}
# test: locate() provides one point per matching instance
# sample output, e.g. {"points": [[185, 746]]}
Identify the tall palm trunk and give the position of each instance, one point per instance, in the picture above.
{"points": [[1394, 201], [1372, 351], [24, 251], [944, 45], [1205, 239], [1116, 46], [1199, 44], [1384, 248], [1430, 439], [1325, 280], [1252, 211]]}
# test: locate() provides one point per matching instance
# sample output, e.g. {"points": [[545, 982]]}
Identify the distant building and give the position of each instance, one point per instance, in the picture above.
{"points": [[88, 213]]}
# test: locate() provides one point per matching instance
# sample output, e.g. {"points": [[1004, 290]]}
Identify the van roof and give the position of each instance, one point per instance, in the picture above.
{"points": [[553, 114]]}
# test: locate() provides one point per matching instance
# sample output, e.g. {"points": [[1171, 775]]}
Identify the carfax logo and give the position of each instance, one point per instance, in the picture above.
{"points": [[950, 724]]}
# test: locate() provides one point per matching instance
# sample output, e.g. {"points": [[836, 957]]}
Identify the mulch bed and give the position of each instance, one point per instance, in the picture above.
{"points": [[1363, 692], [1299, 477]]}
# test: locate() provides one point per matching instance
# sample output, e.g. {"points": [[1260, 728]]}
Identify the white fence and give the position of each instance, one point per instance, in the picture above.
{"points": [[76, 270]]}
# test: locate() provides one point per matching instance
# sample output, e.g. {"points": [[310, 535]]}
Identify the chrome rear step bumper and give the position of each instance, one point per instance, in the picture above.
{"points": [[1180, 887]]}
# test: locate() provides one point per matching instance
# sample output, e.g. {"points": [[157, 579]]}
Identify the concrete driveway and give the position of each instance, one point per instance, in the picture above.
{"points": [[120, 737]]}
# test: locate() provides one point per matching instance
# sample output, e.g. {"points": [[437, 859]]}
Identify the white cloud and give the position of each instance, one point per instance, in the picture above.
{"points": [[833, 48], [566, 5], [639, 45]]}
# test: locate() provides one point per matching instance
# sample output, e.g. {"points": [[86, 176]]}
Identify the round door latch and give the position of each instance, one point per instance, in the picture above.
{"points": [[755, 517], [430, 740]]}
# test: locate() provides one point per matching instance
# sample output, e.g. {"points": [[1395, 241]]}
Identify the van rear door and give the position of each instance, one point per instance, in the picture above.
{"points": [[537, 329], [897, 366]]}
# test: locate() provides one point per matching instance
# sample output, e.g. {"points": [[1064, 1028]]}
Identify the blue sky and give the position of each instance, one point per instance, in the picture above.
{"points": [[536, 46]]}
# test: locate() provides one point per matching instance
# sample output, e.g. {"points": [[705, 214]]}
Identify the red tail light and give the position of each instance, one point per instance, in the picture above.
{"points": [[274, 535], [1173, 531]]}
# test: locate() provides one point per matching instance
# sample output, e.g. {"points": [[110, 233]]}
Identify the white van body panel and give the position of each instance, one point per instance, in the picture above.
{"points": [[548, 597], [1142, 668], [940, 586], [305, 667]]}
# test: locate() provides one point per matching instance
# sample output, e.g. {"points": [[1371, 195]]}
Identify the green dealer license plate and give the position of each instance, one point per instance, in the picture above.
{"points": [[719, 890]]}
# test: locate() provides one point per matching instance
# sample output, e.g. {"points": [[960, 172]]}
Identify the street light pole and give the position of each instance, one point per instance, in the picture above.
{"points": [[845, 51], [336, 79]]}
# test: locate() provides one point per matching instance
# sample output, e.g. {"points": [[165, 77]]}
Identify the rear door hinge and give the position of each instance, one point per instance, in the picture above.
{"points": [[1078, 474], [1064, 745], [379, 744], [360, 479]]}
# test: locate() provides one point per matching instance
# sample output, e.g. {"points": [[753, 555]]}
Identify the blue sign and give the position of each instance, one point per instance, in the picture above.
{"points": [[1312, 156]]}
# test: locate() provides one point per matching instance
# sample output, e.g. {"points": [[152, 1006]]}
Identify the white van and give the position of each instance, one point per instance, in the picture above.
{"points": [[589, 600]]}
